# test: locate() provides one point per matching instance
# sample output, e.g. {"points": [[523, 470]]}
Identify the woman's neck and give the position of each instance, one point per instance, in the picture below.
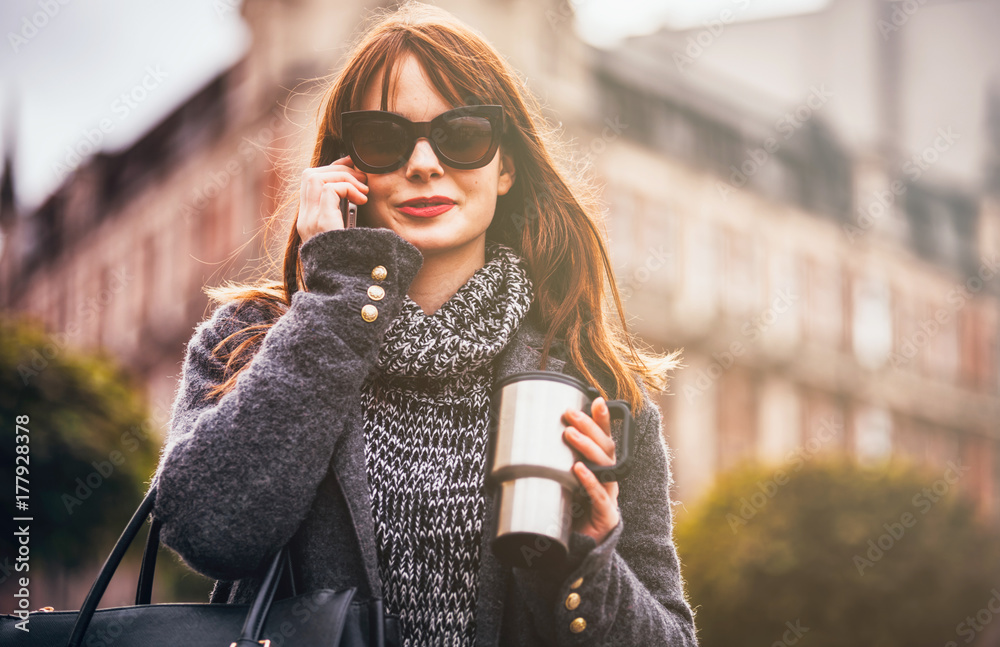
{"points": [[442, 274]]}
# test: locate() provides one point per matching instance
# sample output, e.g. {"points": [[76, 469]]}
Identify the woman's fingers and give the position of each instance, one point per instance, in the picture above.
{"points": [[600, 498], [313, 181], [345, 166], [603, 497], [601, 415], [587, 447], [597, 430], [323, 213], [342, 164], [329, 216], [336, 173], [321, 192], [591, 437]]}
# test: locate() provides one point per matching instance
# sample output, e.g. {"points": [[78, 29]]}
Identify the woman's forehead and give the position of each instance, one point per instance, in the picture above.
{"points": [[411, 91]]}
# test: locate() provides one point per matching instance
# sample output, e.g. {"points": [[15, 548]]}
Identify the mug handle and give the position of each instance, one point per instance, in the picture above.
{"points": [[623, 450]]}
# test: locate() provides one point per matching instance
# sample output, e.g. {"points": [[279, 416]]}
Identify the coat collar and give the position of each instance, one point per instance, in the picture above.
{"points": [[523, 353]]}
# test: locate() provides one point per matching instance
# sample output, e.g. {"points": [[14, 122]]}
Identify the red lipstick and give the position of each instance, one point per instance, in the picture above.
{"points": [[426, 206]]}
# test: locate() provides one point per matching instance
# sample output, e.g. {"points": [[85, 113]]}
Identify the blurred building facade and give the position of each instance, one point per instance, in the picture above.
{"points": [[769, 212], [824, 187]]}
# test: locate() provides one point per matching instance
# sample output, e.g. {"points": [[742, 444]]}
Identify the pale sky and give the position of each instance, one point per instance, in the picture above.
{"points": [[85, 83]]}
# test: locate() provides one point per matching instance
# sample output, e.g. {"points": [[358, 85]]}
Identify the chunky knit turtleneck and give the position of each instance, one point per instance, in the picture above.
{"points": [[426, 408]]}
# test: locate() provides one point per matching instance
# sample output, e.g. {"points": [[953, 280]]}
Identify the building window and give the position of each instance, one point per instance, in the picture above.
{"points": [[645, 249], [780, 419], [147, 281], [661, 230], [980, 350], [701, 265], [907, 310], [743, 258], [675, 134], [621, 223], [105, 333], [940, 328], [995, 490], [59, 309], [871, 330], [825, 310], [780, 320], [994, 358], [872, 433], [943, 445], [737, 413], [824, 425], [121, 290]]}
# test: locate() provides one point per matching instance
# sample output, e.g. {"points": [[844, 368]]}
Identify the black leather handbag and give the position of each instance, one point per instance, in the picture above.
{"points": [[318, 618]]}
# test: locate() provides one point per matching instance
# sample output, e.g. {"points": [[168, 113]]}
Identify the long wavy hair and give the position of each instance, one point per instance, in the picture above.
{"points": [[549, 217]]}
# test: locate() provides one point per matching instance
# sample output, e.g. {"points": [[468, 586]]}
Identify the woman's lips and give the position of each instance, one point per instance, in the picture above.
{"points": [[426, 212]]}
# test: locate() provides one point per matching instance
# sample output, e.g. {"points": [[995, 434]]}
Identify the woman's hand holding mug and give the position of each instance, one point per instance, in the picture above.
{"points": [[591, 437], [321, 192]]}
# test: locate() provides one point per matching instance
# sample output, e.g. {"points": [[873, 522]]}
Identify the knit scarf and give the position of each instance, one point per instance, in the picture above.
{"points": [[426, 410]]}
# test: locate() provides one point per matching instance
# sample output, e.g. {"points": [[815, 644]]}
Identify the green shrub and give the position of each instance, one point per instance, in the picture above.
{"points": [[93, 451], [846, 555]]}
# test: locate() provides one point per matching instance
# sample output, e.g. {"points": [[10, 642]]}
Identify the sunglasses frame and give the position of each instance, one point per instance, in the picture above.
{"points": [[423, 129]]}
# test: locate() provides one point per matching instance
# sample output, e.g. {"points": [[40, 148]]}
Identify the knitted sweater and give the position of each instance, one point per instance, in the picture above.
{"points": [[426, 409], [281, 460]]}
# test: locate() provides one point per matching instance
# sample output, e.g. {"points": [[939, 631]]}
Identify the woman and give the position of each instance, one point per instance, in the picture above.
{"points": [[344, 409]]}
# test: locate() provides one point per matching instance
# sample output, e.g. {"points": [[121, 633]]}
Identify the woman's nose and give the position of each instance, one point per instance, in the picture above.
{"points": [[423, 161]]}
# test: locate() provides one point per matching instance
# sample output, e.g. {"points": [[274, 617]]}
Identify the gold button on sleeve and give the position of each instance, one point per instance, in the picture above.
{"points": [[576, 583], [572, 601], [379, 273], [578, 625], [369, 313], [375, 292]]}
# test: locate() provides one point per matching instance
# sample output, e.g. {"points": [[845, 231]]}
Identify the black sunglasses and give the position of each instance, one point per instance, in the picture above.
{"points": [[466, 137]]}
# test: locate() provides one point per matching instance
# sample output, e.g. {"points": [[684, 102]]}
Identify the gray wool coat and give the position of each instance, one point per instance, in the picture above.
{"points": [[282, 459]]}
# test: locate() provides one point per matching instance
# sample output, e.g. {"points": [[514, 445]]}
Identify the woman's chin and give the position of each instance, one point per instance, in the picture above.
{"points": [[436, 243]]}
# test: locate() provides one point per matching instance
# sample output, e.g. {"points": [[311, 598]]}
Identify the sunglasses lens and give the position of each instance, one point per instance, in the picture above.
{"points": [[464, 138], [379, 142]]}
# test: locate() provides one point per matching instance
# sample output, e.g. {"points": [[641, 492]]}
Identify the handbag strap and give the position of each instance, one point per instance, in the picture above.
{"points": [[291, 573], [144, 592], [254, 622], [258, 610]]}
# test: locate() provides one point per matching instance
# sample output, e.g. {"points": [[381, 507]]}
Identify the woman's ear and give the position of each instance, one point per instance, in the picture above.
{"points": [[507, 173]]}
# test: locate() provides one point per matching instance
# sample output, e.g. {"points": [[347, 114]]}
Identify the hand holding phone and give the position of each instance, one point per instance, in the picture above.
{"points": [[349, 211], [329, 197]]}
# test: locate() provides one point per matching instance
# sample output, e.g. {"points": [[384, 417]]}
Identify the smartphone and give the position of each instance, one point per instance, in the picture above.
{"points": [[350, 212]]}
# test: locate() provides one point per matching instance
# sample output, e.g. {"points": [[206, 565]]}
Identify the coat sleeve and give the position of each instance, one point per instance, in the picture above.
{"points": [[630, 588], [238, 475]]}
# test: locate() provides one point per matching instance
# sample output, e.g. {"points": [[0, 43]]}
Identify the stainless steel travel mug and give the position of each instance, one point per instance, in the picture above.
{"points": [[529, 465]]}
